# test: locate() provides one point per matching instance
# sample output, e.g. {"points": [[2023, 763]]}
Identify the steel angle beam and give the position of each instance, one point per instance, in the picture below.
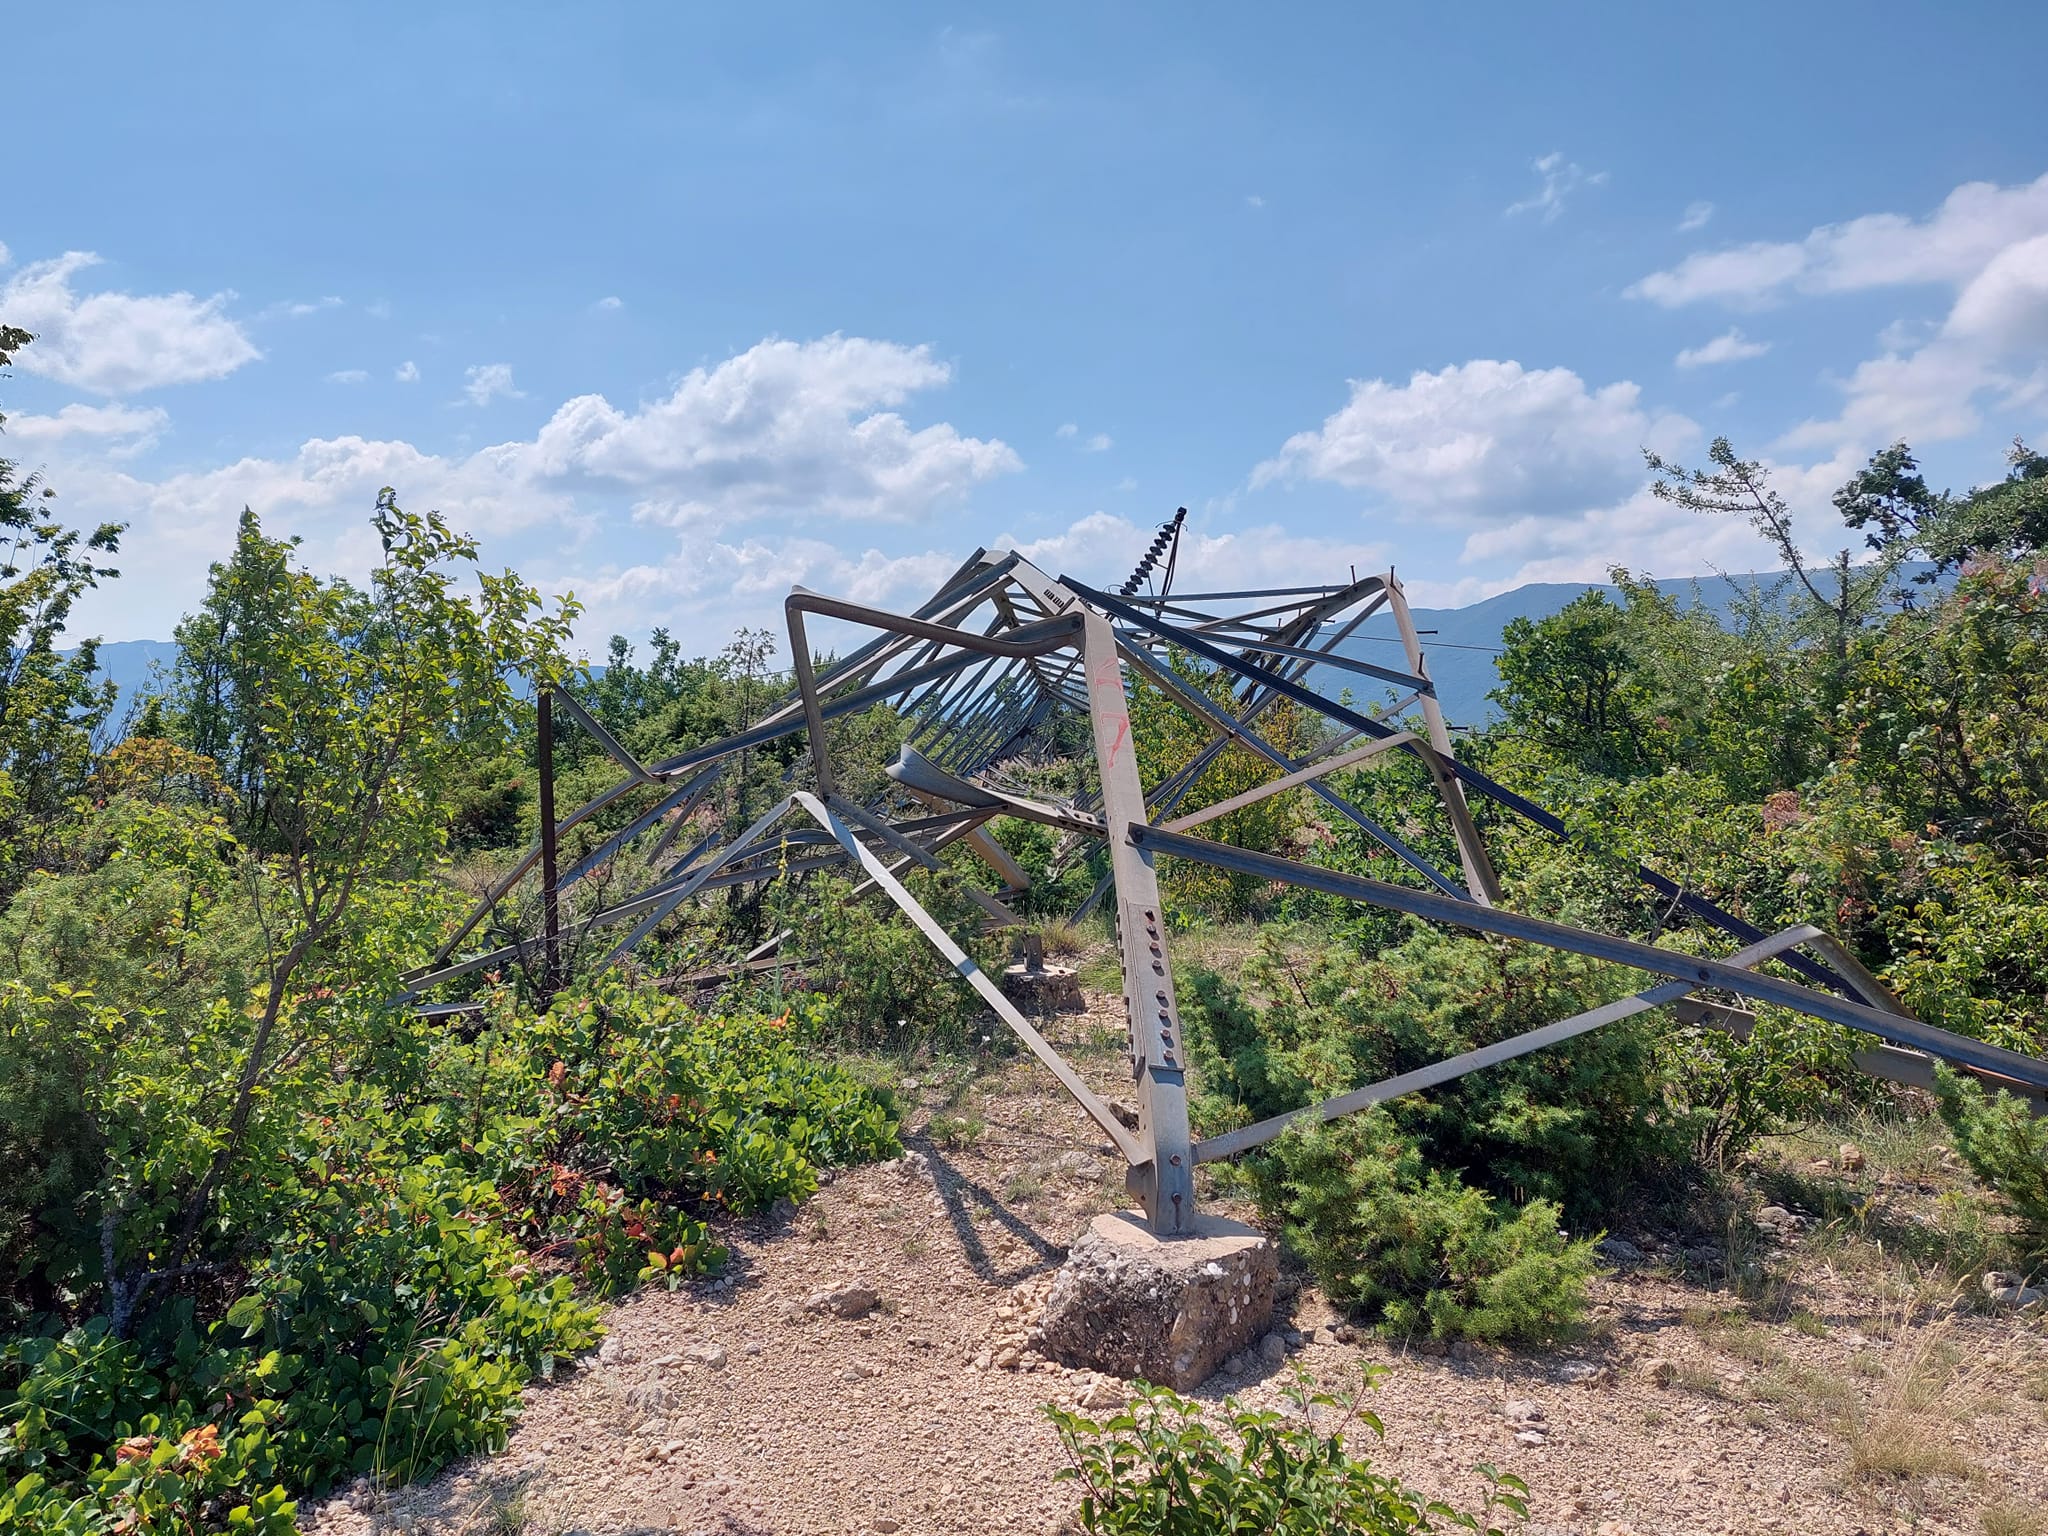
{"points": [[967, 589], [910, 850], [1697, 905], [874, 693], [595, 729], [919, 774], [1293, 780], [611, 845], [1897, 1028], [1052, 634], [1245, 1138], [504, 883], [1421, 685], [986, 848], [670, 901], [654, 897], [1231, 597], [1165, 676], [1480, 878], [1134, 1152], [1158, 1051], [807, 690]]}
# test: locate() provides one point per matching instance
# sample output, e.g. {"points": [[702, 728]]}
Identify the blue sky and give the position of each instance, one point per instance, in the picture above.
{"points": [[674, 306]]}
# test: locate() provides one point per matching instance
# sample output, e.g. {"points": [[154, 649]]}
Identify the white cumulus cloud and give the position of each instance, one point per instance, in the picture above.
{"points": [[119, 343], [1951, 245], [1483, 441], [1730, 346], [132, 430], [798, 427], [484, 382], [298, 309], [406, 372], [1933, 379], [718, 470], [1695, 217]]}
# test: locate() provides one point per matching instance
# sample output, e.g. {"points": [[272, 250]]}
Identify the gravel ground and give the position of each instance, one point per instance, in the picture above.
{"points": [[778, 1401]]}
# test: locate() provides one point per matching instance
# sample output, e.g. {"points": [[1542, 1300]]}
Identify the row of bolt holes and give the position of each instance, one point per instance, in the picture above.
{"points": [[1164, 997]]}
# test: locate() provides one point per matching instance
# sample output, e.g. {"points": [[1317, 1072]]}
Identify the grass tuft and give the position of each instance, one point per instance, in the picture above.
{"points": [[2009, 1517]]}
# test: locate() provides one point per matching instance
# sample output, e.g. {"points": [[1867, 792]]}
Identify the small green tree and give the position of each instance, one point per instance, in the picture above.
{"points": [[345, 713], [2006, 1146], [1832, 604]]}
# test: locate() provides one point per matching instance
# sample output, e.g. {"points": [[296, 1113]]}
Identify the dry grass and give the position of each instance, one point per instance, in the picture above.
{"points": [[1735, 1334], [1908, 1431], [2009, 1517], [1806, 1393], [1699, 1378], [1902, 1446], [1061, 939], [955, 1132], [1909, 1226]]}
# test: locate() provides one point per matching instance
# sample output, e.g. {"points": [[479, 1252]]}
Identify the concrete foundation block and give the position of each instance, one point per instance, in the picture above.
{"points": [[1043, 989], [1167, 1310]]}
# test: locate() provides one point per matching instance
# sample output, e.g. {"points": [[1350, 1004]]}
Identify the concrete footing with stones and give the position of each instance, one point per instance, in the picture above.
{"points": [[1164, 1310]]}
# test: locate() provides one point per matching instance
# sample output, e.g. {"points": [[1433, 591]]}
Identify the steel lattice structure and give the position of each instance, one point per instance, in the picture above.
{"points": [[997, 654]]}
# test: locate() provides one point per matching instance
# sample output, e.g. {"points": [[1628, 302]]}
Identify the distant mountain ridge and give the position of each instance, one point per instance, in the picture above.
{"points": [[1460, 651], [131, 665]]}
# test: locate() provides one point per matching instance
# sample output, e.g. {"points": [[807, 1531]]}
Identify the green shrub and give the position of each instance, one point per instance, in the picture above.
{"points": [[380, 1288], [92, 1440], [405, 1320], [642, 1094], [1160, 1469], [1575, 1124], [2006, 1145], [1418, 1248]]}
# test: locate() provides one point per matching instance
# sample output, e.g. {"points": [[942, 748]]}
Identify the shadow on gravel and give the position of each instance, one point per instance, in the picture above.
{"points": [[957, 1192]]}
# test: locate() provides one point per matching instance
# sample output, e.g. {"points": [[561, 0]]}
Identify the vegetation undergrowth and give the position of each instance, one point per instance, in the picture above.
{"points": [[424, 1246], [1161, 1468]]}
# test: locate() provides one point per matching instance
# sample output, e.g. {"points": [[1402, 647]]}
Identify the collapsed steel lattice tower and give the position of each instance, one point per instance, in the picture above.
{"points": [[1001, 650]]}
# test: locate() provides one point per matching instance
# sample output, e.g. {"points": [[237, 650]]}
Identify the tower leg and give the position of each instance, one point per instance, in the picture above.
{"points": [[1166, 1186]]}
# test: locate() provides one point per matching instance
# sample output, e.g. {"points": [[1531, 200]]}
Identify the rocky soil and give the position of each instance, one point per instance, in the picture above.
{"points": [[866, 1366]]}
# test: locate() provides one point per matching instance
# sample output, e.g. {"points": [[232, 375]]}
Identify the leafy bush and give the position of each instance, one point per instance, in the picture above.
{"points": [[1061, 876], [1418, 1247], [626, 1087], [399, 1263], [404, 1320], [1160, 1469], [92, 1440], [2006, 1145]]}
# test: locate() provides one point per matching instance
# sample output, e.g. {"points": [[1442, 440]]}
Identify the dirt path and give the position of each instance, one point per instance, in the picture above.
{"points": [[748, 1406]]}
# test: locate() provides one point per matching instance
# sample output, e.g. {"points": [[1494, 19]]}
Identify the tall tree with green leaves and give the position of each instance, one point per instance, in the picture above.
{"points": [[51, 705]]}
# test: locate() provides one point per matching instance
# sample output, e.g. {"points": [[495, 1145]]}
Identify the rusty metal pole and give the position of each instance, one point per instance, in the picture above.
{"points": [[550, 887]]}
